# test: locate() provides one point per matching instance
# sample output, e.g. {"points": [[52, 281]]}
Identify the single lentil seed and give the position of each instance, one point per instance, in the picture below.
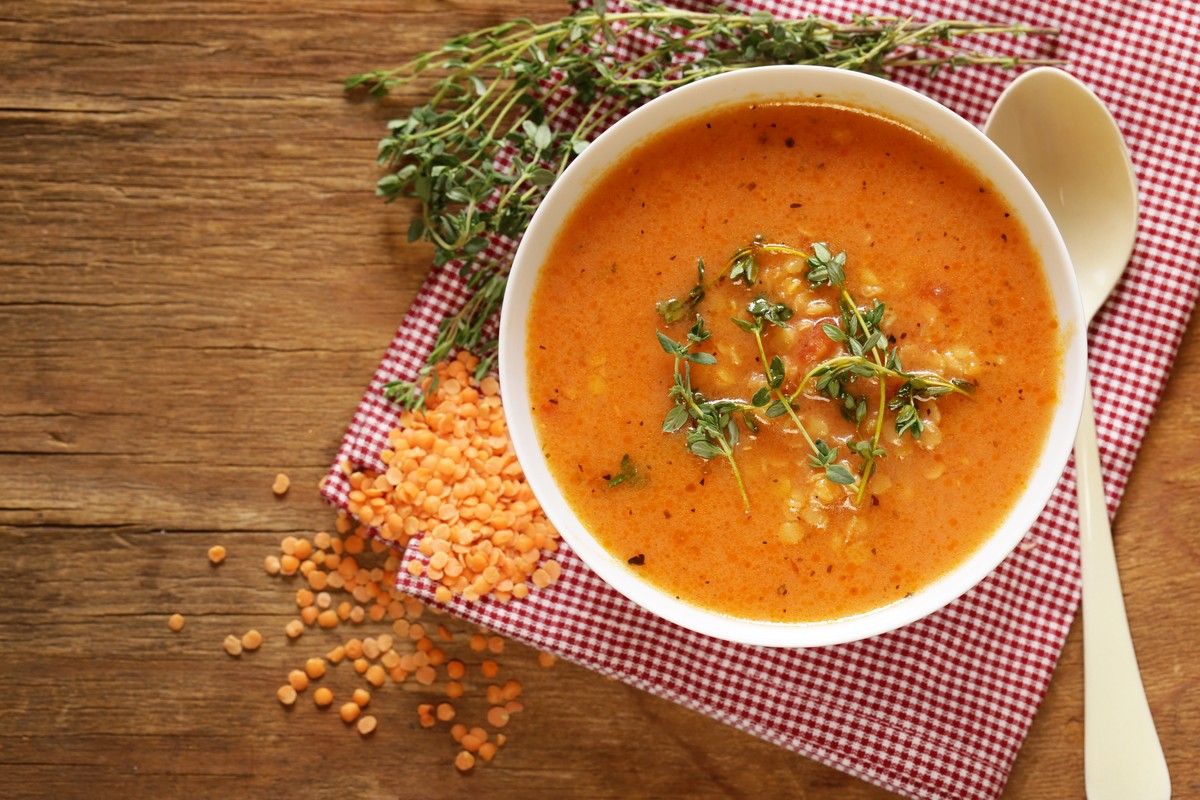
{"points": [[175, 622], [376, 675]]}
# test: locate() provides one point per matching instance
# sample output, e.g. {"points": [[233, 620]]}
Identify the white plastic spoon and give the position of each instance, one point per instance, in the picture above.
{"points": [[1060, 135]]}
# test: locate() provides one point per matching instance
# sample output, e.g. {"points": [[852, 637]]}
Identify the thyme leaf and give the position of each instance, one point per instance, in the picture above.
{"points": [[628, 473], [674, 309]]}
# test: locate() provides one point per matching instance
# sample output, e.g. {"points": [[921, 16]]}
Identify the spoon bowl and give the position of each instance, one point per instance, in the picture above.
{"points": [[1063, 139]]}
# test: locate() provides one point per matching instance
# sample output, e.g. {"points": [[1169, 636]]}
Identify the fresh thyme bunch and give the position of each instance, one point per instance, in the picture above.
{"points": [[513, 104]]}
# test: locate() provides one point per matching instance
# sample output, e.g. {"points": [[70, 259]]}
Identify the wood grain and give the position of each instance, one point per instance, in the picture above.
{"points": [[195, 286]]}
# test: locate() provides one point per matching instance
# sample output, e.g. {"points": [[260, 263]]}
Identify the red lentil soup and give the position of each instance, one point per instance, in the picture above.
{"points": [[965, 298]]}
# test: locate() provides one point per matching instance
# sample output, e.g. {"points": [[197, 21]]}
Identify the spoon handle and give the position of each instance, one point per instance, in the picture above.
{"points": [[1122, 756]]}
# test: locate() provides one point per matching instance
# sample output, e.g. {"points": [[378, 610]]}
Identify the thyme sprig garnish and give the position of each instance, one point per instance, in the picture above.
{"points": [[712, 426], [868, 353], [512, 104]]}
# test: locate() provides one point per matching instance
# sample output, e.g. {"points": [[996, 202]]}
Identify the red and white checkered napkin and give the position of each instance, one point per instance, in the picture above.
{"points": [[938, 709]]}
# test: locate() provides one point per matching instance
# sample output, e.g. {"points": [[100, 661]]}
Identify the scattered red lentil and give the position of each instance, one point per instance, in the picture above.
{"points": [[464, 761], [216, 554], [425, 675], [323, 697], [282, 482], [349, 712], [298, 680], [366, 725], [376, 675], [251, 640], [175, 622], [361, 698], [233, 645], [547, 659], [286, 695]]}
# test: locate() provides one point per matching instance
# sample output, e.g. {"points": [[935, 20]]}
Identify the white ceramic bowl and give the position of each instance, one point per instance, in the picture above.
{"points": [[781, 84]]}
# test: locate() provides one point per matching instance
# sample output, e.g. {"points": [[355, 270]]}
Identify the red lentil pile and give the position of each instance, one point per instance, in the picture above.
{"points": [[451, 476]]}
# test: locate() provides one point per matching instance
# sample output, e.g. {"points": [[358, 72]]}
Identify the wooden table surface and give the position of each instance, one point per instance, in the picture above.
{"points": [[196, 283]]}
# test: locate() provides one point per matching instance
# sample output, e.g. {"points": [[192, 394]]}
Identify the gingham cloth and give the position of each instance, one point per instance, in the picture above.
{"points": [[939, 708]]}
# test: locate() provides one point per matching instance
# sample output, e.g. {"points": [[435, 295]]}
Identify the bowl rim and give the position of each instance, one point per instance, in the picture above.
{"points": [[794, 84]]}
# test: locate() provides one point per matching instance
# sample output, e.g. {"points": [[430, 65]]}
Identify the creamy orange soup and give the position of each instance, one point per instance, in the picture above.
{"points": [[965, 299]]}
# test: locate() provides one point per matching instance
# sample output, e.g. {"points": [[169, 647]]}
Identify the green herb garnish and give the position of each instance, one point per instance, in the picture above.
{"points": [[868, 354], [628, 473], [481, 153], [712, 430]]}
